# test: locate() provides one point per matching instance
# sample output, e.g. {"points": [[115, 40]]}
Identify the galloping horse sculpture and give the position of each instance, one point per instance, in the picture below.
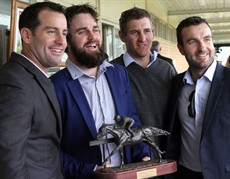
{"points": [[124, 137]]}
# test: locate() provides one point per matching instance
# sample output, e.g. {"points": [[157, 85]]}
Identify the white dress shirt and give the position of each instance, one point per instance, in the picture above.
{"points": [[192, 127]]}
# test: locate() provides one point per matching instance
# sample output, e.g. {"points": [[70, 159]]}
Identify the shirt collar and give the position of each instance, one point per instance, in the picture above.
{"points": [[128, 59], [34, 64], [76, 72], [208, 74]]}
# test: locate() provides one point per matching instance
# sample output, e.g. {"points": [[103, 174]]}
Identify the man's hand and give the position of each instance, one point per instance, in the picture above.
{"points": [[145, 159], [106, 165]]}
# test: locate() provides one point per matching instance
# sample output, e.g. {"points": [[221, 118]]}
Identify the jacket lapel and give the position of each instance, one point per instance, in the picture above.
{"points": [[79, 96], [50, 92], [213, 99], [176, 90], [115, 90], [45, 84]]}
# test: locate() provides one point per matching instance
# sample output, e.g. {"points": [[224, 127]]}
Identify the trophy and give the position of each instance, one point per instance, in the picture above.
{"points": [[125, 135]]}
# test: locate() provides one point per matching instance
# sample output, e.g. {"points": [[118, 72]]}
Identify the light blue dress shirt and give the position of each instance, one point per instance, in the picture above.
{"points": [[192, 127], [128, 59]]}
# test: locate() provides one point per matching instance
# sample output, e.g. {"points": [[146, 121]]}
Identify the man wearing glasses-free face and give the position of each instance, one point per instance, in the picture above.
{"points": [[199, 119]]}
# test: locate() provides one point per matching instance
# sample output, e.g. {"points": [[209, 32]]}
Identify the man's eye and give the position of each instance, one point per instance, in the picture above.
{"points": [[191, 42], [207, 39], [51, 32], [96, 30], [148, 30], [82, 32], [133, 32]]}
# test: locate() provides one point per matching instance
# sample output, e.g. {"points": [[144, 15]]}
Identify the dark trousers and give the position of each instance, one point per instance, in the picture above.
{"points": [[185, 173]]}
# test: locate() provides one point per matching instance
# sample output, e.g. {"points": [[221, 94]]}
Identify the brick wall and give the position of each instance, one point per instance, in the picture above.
{"points": [[169, 49]]}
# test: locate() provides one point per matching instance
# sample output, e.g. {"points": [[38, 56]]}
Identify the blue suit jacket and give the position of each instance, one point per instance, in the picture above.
{"points": [[79, 159], [215, 139]]}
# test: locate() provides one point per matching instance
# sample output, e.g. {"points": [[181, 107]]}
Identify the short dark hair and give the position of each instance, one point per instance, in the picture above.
{"points": [[73, 10], [134, 13], [29, 16], [194, 20]]}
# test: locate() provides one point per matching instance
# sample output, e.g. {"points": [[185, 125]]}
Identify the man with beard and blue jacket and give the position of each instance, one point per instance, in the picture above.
{"points": [[91, 91]]}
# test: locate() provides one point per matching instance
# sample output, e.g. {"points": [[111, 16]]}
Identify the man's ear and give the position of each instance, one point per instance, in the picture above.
{"points": [[181, 49], [122, 36], [26, 35]]}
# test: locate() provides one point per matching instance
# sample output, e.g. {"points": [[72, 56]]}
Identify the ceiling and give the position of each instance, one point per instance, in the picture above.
{"points": [[216, 12]]}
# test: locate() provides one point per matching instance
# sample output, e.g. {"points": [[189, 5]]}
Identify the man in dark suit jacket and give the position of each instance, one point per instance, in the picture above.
{"points": [[30, 117], [91, 91], [200, 116]]}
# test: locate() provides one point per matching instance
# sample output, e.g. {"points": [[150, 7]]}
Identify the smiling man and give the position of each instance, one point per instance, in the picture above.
{"points": [[91, 91], [199, 116], [30, 116], [150, 77]]}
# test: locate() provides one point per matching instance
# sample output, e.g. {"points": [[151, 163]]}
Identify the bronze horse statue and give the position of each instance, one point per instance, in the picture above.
{"points": [[123, 137]]}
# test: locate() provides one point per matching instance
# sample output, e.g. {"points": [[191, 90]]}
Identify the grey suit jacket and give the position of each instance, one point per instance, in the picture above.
{"points": [[30, 123]]}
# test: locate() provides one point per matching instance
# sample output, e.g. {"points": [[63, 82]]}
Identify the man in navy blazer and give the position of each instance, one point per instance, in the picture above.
{"points": [[200, 117], [91, 91]]}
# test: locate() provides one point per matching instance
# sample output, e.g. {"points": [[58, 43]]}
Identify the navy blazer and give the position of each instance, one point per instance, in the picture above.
{"points": [[215, 138], [79, 159]]}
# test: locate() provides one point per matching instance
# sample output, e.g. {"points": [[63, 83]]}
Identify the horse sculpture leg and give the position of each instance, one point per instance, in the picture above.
{"points": [[122, 156], [110, 155], [120, 148], [153, 145], [158, 150]]}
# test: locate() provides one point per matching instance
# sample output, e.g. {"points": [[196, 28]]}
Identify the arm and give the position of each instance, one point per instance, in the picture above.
{"points": [[75, 168], [15, 124]]}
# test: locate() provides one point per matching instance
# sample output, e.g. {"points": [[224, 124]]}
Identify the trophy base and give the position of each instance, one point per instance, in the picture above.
{"points": [[139, 170]]}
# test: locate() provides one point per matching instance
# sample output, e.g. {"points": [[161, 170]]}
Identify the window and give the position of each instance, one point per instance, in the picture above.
{"points": [[112, 44]]}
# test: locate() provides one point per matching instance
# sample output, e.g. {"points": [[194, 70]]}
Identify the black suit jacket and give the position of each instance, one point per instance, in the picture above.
{"points": [[30, 123], [169, 60], [215, 138]]}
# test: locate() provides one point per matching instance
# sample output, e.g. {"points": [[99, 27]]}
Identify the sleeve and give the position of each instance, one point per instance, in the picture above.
{"points": [[15, 124], [74, 168]]}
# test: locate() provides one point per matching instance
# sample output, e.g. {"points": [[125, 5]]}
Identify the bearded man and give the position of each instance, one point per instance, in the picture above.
{"points": [[91, 91]]}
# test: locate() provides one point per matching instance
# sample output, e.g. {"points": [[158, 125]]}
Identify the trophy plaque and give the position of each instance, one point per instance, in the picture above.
{"points": [[139, 170]]}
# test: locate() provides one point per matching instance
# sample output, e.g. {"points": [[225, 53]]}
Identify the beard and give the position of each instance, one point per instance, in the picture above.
{"points": [[89, 60]]}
